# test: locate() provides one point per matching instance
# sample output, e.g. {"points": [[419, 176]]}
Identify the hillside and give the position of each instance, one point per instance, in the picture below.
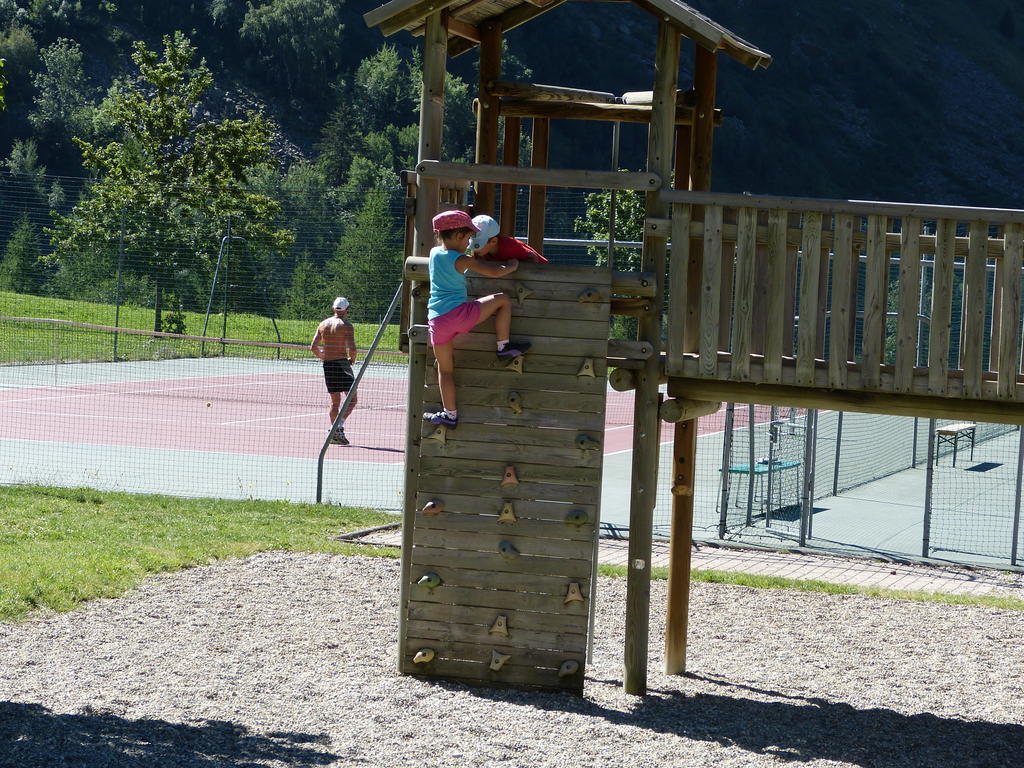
{"points": [[865, 98]]}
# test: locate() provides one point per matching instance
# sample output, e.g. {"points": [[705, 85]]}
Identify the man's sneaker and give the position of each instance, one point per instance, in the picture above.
{"points": [[513, 349], [442, 418], [339, 437]]}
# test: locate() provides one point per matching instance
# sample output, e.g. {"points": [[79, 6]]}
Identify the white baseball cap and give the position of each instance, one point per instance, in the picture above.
{"points": [[488, 228], [341, 303]]}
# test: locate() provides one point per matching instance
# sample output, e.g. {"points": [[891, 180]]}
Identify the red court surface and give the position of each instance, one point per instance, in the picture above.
{"points": [[267, 414]]}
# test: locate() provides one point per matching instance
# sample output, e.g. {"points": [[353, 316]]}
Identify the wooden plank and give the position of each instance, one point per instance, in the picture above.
{"points": [[499, 377], [810, 266], [1010, 309], [517, 638], [517, 621], [553, 365], [619, 113], [528, 563], [542, 345], [482, 414], [543, 177], [547, 585], [528, 659], [451, 520], [975, 288], [875, 284], [496, 598], [778, 325], [843, 261], [909, 298], [526, 510], [942, 302], [540, 92], [510, 675], [495, 470], [455, 447], [711, 291], [678, 288], [746, 253], [532, 400], [469, 486], [515, 435], [532, 327]]}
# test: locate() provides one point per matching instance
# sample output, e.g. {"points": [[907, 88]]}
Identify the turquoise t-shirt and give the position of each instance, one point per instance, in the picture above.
{"points": [[447, 285]]}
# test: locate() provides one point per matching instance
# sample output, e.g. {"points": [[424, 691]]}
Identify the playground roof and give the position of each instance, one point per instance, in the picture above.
{"points": [[465, 17]]}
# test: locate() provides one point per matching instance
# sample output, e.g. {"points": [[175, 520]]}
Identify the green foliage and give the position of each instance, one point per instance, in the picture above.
{"points": [[182, 177], [595, 224], [309, 296], [3, 84], [62, 104], [20, 269], [367, 265]]}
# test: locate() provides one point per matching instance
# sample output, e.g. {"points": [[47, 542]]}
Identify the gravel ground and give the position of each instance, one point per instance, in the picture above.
{"points": [[288, 660]]}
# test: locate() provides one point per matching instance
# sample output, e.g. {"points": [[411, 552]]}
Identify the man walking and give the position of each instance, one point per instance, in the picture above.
{"points": [[335, 344]]}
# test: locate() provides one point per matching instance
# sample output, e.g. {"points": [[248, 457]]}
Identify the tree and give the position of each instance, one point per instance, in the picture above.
{"points": [[170, 181], [367, 264], [308, 297], [3, 82], [62, 104], [20, 270]]}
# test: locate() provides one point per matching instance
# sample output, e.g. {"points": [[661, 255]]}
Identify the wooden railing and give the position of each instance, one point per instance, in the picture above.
{"points": [[845, 295]]}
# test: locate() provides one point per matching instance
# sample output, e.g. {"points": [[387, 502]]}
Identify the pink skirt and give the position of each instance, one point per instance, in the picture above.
{"points": [[446, 327]]}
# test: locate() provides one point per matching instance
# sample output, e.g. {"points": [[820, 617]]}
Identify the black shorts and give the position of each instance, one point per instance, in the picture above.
{"points": [[338, 375]]}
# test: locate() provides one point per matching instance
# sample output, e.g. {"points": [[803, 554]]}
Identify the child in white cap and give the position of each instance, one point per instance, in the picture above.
{"points": [[490, 245], [449, 312]]}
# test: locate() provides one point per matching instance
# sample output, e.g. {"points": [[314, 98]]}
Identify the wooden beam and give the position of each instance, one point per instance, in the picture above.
{"points": [[431, 126], [540, 176], [537, 92], [898, 404], [538, 194], [646, 427], [578, 110], [511, 19], [487, 118], [462, 29]]}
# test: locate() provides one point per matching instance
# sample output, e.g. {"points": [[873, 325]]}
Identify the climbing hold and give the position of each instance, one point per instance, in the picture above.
{"points": [[573, 594], [509, 478], [500, 626], [587, 443], [508, 514], [440, 434], [522, 293], [433, 507], [568, 667], [515, 402], [498, 659], [429, 580], [577, 517], [515, 364], [425, 655], [589, 296], [508, 550], [587, 369]]}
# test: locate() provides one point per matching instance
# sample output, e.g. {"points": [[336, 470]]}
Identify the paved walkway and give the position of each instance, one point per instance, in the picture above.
{"points": [[834, 570]]}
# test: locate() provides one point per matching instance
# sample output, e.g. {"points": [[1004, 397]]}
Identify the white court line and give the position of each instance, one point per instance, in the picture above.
{"points": [[144, 391], [272, 418]]}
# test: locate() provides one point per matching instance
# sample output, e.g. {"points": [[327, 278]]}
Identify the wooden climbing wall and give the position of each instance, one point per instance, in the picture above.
{"points": [[499, 565]]}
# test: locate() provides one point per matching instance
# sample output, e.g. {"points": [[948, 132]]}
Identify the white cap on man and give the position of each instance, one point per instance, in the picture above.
{"points": [[341, 303]]}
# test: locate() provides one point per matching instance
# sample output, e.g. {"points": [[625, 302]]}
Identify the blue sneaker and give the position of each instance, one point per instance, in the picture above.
{"points": [[513, 350], [442, 418]]}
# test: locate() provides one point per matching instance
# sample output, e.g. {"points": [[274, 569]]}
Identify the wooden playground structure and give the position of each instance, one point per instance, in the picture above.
{"points": [[832, 304]]}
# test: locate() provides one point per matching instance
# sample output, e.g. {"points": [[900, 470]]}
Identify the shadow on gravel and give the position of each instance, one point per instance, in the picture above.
{"points": [[799, 729], [32, 736]]}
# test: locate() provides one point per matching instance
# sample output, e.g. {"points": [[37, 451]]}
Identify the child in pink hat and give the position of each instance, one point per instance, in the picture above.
{"points": [[449, 312]]}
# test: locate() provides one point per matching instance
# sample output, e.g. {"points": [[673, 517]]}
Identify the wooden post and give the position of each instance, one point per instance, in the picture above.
{"points": [[538, 195], [510, 156], [435, 54], [487, 118], [684, 443], [646, 424]]}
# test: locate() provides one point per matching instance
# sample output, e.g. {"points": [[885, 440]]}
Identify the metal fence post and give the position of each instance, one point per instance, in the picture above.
{"points": [[929, 481], [751, 463], [807, 502], [726, 451], [120, 283], [839, 447], [1016, 497]]}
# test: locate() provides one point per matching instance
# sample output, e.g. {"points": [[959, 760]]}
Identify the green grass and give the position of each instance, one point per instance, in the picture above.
{"points": [[39, 342], [60, 547], [805, 585]]}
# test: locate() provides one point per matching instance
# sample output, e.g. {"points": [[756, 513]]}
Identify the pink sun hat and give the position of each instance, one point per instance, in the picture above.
{"points": [[453, 220]]}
